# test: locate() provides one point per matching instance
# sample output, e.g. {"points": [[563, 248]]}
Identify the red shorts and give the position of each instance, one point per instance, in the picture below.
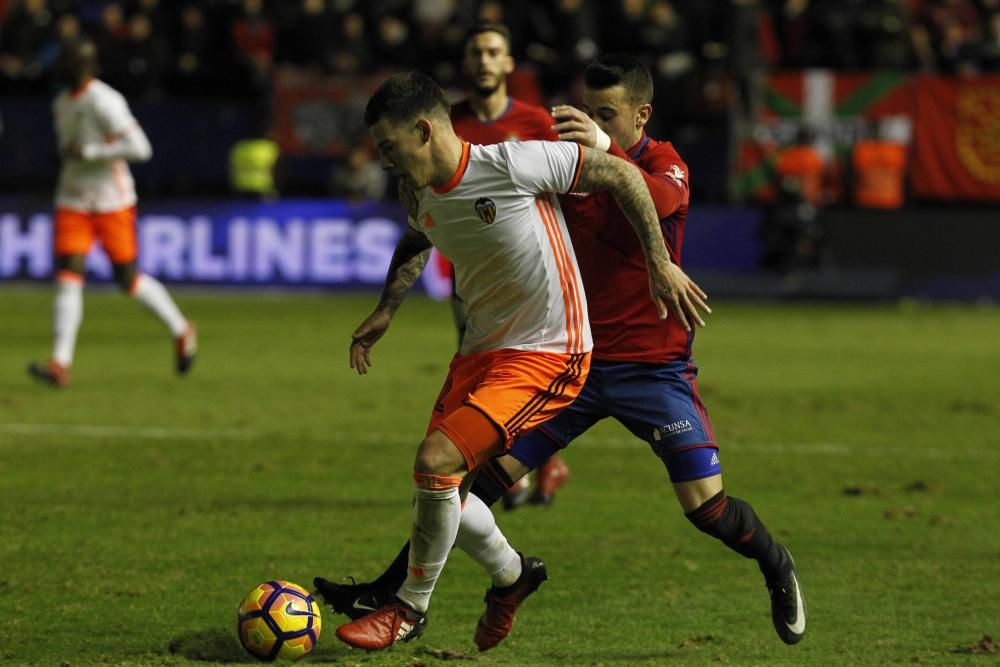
{"points": [[516, 390], [76, 231]]}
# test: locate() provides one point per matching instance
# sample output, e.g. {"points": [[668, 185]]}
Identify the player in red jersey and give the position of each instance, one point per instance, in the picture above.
{"points": [[642, 373], [488, 116]]}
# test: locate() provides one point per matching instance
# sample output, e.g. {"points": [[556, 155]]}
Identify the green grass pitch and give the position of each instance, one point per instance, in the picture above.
{"points": [[136, 508]]}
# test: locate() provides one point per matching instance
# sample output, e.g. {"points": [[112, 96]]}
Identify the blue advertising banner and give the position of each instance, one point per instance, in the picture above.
{"points": [[309, 243], [302, 243]]}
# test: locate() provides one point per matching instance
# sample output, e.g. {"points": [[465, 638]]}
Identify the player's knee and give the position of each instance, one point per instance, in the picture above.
{"points": [[125, 275], [437, 455], [72, 264]]}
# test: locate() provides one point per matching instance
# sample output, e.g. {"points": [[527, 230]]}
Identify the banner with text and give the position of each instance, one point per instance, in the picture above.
{"points": [[294, 243]]}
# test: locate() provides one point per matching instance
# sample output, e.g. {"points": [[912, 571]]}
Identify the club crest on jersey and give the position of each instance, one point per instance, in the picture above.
{"points": [[486, 210]]}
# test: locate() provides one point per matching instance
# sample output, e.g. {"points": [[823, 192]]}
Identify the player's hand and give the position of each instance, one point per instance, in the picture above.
{"points": [[672, 288], [574, 125], [365, 336]]}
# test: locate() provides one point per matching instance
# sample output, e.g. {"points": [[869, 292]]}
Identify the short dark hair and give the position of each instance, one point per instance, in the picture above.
{"points": [[404, 96], [619, 68], [482, 27]]}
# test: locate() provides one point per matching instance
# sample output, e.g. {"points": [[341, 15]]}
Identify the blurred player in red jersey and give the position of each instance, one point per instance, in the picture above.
{"points": [[95, 199], [488, 116], [642, 373]]}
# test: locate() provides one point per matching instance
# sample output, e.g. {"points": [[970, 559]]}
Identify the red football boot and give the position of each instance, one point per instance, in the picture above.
{"points": [[551, 475], [187, 348], [384, 627], [52, 373], [502, 603]]}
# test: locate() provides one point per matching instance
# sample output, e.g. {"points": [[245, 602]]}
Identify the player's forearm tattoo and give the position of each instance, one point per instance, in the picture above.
{"points": [[407, 263], [601, 171]]}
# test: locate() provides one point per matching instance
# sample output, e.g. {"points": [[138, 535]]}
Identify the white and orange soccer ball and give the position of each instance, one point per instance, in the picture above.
{"points": [[279, 619]]}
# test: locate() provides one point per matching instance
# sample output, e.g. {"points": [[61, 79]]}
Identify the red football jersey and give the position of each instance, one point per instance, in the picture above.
{"points": [[520, 122], [623, 317]]}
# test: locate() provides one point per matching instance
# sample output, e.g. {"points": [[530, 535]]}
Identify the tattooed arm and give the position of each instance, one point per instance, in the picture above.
{"points": [[669, 285], [407, 263]]}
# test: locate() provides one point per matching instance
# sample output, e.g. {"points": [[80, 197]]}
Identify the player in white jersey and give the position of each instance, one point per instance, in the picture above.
{"points": [[95, 199], [526, 353]]}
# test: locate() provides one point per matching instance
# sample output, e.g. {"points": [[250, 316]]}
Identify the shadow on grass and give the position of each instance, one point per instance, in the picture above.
{"points": [[213, 645], [221, 645]]}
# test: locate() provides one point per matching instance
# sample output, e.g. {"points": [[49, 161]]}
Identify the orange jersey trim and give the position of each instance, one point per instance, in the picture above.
{"points": [[456, 178], [436, 482], [82, 89], [571, 298], [579, 168], [67, 276]]}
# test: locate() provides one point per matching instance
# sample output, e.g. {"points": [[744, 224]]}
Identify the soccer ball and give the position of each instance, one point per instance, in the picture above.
{"points": [[278, 619]]}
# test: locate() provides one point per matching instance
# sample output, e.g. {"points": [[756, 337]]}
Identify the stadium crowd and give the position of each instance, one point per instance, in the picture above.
{"points": [[224, 48]]}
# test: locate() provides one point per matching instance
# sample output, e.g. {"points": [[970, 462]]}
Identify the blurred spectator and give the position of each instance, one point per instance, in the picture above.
{"points": [[30, 26], [957, 52], [831, 40], [800, 168], [791, 24], [883, 26], [67, 32], [439, 37], [140, 61], [880, 165], [352, 54], [791, 230], [254, 45], [193, 71], [393, 42], [990, 52], [792, 233], [564, 40], [306, 41], [252, 164], [359, 177]]}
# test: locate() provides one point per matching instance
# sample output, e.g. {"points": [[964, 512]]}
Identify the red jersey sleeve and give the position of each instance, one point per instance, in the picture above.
{"points": [[665, 174]]}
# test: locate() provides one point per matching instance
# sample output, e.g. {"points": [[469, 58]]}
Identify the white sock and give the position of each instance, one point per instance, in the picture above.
{"points": [[151, 293], [436, 513], [67, 314], [479, 536]]}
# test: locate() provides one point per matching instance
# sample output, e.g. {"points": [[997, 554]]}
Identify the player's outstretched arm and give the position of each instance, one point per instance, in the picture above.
{"points": [[408, 261], [669, 285]]}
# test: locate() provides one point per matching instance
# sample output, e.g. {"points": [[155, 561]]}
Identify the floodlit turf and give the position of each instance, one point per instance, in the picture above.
{"points": [[136, 508]]}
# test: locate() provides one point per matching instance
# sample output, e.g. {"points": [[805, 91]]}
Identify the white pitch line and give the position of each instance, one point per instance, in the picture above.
{"points": [[141, 432], [375, 438]]}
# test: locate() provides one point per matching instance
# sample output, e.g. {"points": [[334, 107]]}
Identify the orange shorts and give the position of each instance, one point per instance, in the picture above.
{"points": [[76, 231], [516, 390]]}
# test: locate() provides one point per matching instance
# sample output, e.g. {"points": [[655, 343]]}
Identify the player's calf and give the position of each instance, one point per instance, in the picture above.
{"points": [[734, 522]]}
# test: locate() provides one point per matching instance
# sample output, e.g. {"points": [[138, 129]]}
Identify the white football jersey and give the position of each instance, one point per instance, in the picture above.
{"points": [[501, 226], [97, 118]]}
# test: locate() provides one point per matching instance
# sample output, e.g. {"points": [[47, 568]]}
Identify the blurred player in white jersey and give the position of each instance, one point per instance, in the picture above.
{"points": [[526, 351], [95, 200]]}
